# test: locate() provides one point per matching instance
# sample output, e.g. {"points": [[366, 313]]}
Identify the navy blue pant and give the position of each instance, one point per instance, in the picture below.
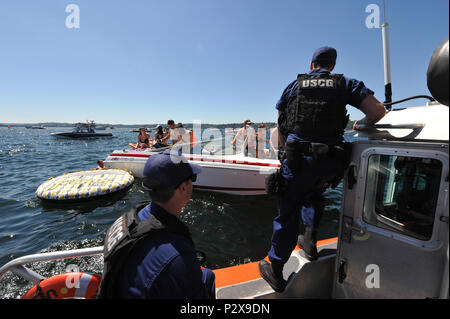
{"points": [[208, 279], [301, 201]]}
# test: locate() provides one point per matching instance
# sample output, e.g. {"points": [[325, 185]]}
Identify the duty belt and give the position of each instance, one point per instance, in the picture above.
{"points": [[296, 150]]}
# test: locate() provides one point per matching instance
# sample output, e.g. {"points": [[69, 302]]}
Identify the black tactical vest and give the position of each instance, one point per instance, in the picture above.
{"points": [[318, 110], [123, 236]]}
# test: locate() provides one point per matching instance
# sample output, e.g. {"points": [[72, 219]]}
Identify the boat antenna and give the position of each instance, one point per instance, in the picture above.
{"points": [[387, 60]]}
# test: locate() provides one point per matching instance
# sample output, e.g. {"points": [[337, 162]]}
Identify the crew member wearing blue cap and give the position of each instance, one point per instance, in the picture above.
{"points": [[312, 117], [149, 252]]}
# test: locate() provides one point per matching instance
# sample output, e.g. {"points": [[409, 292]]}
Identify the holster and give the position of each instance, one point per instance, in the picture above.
{"points": [[344, 155], [296, 150], [319, 151], [274, 183]]}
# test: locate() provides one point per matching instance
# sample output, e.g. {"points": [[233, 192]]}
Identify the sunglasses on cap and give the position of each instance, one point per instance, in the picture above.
{"points": [[193, 178]]}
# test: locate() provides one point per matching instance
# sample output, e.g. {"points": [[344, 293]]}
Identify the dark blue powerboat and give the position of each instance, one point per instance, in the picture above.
{"points": [[82, 130]]}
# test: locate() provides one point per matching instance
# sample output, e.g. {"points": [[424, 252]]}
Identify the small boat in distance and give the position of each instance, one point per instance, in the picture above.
{"points": [[82, 130]]}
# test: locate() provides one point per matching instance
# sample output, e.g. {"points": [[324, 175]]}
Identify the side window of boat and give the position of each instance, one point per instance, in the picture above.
{"points": [[402, 194]]}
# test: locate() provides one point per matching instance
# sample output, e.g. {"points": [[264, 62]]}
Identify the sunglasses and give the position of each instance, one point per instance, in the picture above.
{"points": [[193, 178]]}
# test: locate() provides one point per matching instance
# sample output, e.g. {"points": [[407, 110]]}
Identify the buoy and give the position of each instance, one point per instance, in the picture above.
{"points": [[84, 185], [63, 286]]}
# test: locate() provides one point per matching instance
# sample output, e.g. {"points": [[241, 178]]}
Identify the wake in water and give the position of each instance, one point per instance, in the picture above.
{"points": [[13, 286]]}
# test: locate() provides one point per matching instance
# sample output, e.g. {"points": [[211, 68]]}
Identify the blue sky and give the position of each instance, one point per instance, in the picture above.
{"points": [[217, 61]]}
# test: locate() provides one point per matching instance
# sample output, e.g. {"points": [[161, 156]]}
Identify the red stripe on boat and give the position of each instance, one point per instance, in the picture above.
{"points": [[229, 188], [226, 161]]}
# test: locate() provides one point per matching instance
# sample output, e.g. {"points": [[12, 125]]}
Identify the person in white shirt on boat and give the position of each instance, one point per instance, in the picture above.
{"points": [[174, 133], [248, 138], [183, 133]]}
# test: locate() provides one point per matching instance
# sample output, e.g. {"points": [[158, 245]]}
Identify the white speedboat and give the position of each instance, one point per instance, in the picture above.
{"points": [[232, 174]]}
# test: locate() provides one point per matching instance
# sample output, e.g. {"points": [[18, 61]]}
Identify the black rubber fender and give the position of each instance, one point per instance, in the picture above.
{"points": [[437, 73]]}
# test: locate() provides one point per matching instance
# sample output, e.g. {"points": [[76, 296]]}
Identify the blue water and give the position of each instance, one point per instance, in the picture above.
{"points": [[229, 229]]}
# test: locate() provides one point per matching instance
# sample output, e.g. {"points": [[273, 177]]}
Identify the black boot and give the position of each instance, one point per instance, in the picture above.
{"points": [[308, 242], [273, 274]]}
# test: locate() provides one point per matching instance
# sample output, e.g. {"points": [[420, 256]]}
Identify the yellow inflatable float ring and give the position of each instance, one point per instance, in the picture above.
{"points": [[84, 185]]}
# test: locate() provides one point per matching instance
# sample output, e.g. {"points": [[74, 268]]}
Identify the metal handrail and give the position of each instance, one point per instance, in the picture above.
{"points": [[365, 127], [17, 265], [410, 98]]}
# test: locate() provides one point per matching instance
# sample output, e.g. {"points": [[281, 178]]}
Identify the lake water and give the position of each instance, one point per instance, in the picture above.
{"points": [[229, 229]]}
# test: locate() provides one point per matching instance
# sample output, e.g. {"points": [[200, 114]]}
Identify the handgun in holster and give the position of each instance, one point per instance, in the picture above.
{"points": [[342, 154], [296, 150], [274, 183]]}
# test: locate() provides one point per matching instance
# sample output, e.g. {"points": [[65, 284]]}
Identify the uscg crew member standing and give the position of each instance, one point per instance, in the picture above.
{"points": [[149, 252], [312, 117]]}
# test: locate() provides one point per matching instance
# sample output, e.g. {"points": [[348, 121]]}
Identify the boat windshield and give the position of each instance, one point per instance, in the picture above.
{"points": [[219, 142], [83, 129], [223, 147]]}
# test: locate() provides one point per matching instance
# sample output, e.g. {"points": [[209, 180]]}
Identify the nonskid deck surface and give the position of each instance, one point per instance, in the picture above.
{"points": [[244, 281]]}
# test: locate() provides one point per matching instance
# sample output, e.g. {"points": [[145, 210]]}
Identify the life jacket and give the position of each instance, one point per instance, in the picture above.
{"points": [[125, 233], [318, 110]]}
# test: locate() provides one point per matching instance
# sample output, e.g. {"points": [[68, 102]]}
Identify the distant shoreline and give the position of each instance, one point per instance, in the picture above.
{"points": [[136, 126], [57, 124]]}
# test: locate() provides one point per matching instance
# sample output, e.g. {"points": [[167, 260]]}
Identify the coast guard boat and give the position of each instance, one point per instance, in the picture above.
{"points": [[393, 239]]}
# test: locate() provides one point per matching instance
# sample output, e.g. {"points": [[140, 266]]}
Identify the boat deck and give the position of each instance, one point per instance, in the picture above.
{"points": [[244, 281]]}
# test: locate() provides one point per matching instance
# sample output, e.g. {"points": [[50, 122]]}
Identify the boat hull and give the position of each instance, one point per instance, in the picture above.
{"points": [[230, 174], [81, 135]]}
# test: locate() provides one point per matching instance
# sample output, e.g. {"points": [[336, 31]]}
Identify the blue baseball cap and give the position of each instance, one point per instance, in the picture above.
{"points": [[327, 54], [166, 170]]}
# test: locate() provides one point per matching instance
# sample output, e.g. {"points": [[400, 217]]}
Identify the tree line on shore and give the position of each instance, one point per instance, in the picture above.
{"points": [[187, 125]]}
